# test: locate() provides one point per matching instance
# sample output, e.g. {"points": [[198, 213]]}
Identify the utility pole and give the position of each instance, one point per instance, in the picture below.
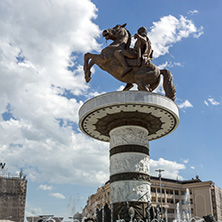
{"points": [[161, 198]]}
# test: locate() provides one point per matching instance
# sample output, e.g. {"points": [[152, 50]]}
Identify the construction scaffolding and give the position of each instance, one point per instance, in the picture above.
{"points": [[12, 198]]}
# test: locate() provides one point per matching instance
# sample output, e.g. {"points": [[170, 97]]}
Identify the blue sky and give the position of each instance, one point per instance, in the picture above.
{"points": [[42, 44]]}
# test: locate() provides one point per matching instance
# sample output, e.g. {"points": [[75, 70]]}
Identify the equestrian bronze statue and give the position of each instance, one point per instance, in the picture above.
{"points": [[130, 65]]}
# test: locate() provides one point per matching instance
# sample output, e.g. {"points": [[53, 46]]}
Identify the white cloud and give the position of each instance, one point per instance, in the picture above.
{"points": [[160, 88], [192, 167], [120, 88], [199, 33], [192, 12], [171, 168], [36, 44], [170, 30], [45, 187], [123, 86], [186, 161], [169, 64], [58, 195], [80, 160], [32, 211], [185, 104], [213, 102], [206, 103]]}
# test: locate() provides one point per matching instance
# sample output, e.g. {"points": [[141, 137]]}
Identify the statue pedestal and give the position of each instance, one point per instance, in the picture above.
{"points": [[129, 120]]}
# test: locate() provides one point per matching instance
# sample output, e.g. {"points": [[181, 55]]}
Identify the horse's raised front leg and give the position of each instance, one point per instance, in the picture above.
{"points": [[87, 66], [94, 59], [86, 60]]}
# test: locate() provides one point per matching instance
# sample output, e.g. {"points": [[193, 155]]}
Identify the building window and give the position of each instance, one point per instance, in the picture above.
{"points": [[153, 199], [170, 201], [158, 190], [170, 211], [159, 200], [169, 191], [153, 189], [183, 192]]}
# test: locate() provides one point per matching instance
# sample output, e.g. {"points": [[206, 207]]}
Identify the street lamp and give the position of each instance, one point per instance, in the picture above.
{"points": [[161, 198]]}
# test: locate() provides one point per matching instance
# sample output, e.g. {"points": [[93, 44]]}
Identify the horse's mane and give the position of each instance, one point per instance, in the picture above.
{"points": [[129, 40]]}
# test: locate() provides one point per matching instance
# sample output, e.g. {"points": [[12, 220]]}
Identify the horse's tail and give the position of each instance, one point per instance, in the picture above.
{"points": [[169, 88]]}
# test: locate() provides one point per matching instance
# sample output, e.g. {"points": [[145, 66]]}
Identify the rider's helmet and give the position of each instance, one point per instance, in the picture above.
{"points": [[142, 31]]}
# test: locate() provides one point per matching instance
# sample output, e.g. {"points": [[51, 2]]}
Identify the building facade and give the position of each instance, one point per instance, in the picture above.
{"points": [[205, 198], [13, 198], [44, 218]]}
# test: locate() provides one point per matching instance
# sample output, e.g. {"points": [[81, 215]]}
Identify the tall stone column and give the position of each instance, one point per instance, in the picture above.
{"points": [[129, 170], [129, 120]]}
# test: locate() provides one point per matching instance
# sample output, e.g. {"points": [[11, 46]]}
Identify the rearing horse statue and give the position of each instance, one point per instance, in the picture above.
{"points": [[146, 76]]}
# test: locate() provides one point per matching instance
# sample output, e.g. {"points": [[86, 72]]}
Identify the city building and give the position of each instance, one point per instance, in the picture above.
{"points": [[205, 198], [13, 198], [6, 221], [44, 218], [77, 217]]}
